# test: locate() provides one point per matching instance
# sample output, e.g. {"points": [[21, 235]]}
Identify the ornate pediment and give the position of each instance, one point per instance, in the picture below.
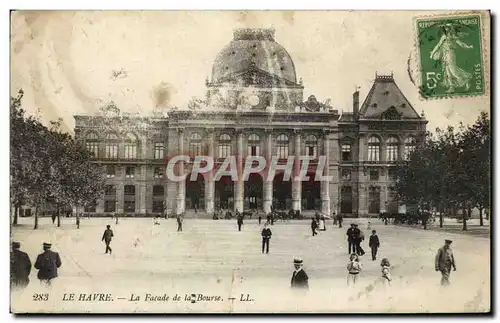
{"points": [[313, 105], [391, 114]]}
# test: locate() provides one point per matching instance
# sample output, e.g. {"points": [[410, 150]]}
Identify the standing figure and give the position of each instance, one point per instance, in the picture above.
{"points": [[20, 267], [386, 270], [353, 268], [340, 219], [106, 237], [77, 221], [350, 239], [47, 264], [266, 236], [239, 220], [444, 261], [374, 244], [369, 226], [335, 218], [260, 218], [358, 237], [54, 216], [314, 226], [179, 222], [300, 280]]}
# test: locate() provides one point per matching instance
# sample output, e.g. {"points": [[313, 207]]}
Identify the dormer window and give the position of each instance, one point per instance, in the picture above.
{"points": [[374, 105]]}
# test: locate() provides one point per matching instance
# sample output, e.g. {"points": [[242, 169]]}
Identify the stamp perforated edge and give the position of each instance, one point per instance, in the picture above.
{"points": [[485, 49]]}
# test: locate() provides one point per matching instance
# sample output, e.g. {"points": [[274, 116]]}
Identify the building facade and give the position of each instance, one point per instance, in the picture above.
{"points": [[254, 106]]}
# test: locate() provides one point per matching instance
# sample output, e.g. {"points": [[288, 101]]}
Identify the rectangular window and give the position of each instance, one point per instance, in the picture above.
{"points": [[157, 206], [374, 153], [129, 206], [346, 152], [110, 206], [253, 150], [158, 172], [129, 190], [110, 190], [224, 150], [283, 152], [159, 150], [112, 150], [374, 175], [93, 148], [110, 171], [392, 174], [311, 151], [346, 174], [392, 153], [195, 149], [130, 151], [130, 172]]}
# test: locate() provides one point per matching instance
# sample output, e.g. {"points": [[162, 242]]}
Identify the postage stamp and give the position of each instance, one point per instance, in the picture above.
{"points": [[451, 56]]}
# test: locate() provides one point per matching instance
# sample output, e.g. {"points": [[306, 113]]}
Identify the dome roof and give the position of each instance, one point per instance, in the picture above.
{"points": [[253, 48]]}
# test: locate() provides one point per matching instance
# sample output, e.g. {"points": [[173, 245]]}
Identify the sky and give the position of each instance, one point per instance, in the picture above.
{"points": [[67, 61]]}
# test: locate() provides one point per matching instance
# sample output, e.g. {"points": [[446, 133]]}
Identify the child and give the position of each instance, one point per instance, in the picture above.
{"points": [[386, 271], [374, 244], [353, 268]]}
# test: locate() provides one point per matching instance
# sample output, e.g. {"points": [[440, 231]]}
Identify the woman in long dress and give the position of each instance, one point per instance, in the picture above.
{"points": [[444, 51]]}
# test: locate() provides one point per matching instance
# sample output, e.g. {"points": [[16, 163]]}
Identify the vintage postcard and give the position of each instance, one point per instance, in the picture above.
{"points": [[250, 162]]}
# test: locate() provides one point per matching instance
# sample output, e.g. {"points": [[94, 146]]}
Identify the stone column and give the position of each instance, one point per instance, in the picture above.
{"points": [[119, 198], [209, 178], [239, 187], [325, 185], [142, 190], [181, 186], [268, 185], [383, 199], [296, 184]]}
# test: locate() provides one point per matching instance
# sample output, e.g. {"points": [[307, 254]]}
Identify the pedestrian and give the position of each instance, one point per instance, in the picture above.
{"points": [[77, 221], [340, 219], [116, 218], [353, 269], [369, 226], [239, 220], [106, 237], [374, 244], [260, 218], [300, 280], [444, 261], [47, 264], [350, 239], [386, 271], [269, 218], [54, 216], [179, 223], [156, 220], [266, 236], [335, 218], [358, 237], [20, 267], [314, 226]]}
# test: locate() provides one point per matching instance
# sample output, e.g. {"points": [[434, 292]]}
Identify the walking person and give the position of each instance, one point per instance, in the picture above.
{"points": [[314, 226], [353, 269], [260, 218], [106, 237], [350, 239], [335, 218], [20, 267], [239, 220], [179, 223], [444, 261], [358, 236], [266, 236], [340, 219], [300, 280], [47, 264], [374, 244], [77, 221]]}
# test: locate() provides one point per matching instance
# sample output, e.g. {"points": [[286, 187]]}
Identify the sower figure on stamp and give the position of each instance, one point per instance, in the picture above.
{"points": [[300, 280], [47, 264], [444, 261], [20, 267], [266, 236], [106, 237]]}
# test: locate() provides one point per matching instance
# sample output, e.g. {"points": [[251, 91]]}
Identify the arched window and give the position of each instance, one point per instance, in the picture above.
{"points": [[130, 146], [253, 145], [346, 152], [282, 146], [224, 146], [92, 144], [312, 146], [410, 144], [392, 149], [112, 146], [373, 149], [195, 145]]}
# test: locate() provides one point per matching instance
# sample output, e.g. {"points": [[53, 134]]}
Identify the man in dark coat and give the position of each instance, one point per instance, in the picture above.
{"points": [[300, 280], [374, 244], [350, 239], [266, 236], [20, 267], [47, 264], [239, 220], [106, 237], [179, 222], [358, 237], [314, 226], [444, 261]]}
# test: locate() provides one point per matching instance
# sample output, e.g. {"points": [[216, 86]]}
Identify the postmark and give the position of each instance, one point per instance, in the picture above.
{"points": [[450, 52]]}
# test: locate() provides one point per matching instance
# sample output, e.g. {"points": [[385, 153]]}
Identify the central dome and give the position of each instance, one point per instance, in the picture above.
{"points": [[253, 48]]}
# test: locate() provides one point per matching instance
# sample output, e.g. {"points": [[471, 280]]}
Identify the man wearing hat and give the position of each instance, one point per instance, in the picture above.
{"points": [[350, 238], [47, 264], [299, 277], [20, 267], [444, 261], [266, 236], [106, 237]]}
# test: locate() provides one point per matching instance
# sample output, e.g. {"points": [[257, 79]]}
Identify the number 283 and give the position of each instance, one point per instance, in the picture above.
{"points": [[40, 297]]}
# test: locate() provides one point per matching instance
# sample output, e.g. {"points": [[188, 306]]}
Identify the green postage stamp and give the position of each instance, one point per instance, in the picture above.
{"points": [[451, 56]]}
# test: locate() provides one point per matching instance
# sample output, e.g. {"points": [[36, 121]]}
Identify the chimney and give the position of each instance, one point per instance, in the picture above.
{"points": [[355, 104]]}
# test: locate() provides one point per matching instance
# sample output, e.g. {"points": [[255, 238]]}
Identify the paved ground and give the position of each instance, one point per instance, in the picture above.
{"points": [[213, 258]]}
